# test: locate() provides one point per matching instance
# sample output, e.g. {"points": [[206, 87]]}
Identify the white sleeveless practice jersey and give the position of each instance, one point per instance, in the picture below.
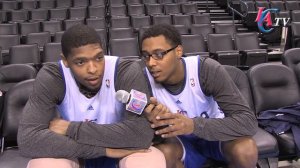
{"points": [[103, 108], [191, 101]]}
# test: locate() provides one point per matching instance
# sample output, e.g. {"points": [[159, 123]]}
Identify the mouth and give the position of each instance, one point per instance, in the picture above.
{"points": [[93, 81], [155, 74]]}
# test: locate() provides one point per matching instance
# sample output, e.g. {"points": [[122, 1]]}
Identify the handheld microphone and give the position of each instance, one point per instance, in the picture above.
{"points": [[136, 101]]}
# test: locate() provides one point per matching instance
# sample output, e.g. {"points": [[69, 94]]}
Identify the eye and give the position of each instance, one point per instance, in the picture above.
{"points": [[159, 54], [79, 62], [145, 54], [99, 58]]}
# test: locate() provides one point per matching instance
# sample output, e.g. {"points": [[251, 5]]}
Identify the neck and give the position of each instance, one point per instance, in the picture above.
{"points": [[87, 92], [178, 76]]}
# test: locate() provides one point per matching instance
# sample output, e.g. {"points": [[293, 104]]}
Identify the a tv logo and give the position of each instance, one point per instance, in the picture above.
{"points": [[264, 16]]}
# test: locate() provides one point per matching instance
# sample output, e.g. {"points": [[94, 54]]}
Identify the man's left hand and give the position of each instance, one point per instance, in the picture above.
{"points": [[178, 124], [59, 126]]}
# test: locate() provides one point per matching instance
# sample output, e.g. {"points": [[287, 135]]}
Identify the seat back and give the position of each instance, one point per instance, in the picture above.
{"points": [[295, 16], [133, 2], [273, 86], [226, 29], [52, 52], [172, 8], [6, 41], [246, 41], [96, 23], [40, 38], [47, 4], [29, 27], [118, 10], [182, 20], [80, 3], [29, 4], [124, 47], [72, 22], [189, 8], [292, 60], [140, 21], [201, 18], [120, 22], [22, 54], [292, 5], [63, 3], [96, 11], [58, 13], [202, 29], [15, 100], [77, 12], [97, 2], [154, 9], [119, 33], [193, 44], [219, 42], [52, 26], [8, 28], [9, 77], [136, 9], [17, 15], [161, 19]]}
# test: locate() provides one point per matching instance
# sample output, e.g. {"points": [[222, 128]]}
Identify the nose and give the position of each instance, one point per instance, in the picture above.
{"points": [[151, 61], [92, 68]]}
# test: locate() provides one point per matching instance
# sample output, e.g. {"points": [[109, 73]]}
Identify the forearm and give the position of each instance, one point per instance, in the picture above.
{"points": [[224, 129], [36, 141], [131, 134]]}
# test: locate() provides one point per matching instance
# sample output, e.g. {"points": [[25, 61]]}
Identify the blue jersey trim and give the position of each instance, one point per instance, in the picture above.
{"points": [[63, 78]]}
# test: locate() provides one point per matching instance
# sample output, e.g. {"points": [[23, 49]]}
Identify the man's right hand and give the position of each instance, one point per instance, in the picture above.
{"points": [[154, 109], [120, 153]]}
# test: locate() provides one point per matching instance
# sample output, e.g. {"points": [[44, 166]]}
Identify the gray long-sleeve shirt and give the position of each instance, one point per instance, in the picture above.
{"points": [[85, 139]]}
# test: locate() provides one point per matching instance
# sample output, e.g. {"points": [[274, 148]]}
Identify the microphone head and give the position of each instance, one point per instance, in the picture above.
{"points": [[122, 96]]}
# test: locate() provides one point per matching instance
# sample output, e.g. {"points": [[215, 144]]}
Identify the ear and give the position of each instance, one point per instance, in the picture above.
{"points": [[64, 59], [179, 51]]}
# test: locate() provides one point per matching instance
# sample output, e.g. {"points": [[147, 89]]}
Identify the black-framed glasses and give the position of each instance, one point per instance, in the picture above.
{"points": [[157, 55]]}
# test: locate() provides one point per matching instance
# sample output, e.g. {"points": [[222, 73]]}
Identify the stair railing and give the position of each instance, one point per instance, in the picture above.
{"points": [[234, 11]]}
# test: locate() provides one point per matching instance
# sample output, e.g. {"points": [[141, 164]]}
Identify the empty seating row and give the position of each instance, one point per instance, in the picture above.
{"points": [[139, 21], [245, 50], [54, 14], [51, 26], [30, 54], [119, 2], [48, 4], [152, 9]]}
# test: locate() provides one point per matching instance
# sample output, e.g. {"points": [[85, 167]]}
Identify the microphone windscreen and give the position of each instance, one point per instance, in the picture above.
{"points": [[122, 96]]}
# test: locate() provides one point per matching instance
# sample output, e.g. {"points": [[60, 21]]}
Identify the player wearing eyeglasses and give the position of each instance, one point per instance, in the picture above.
{"points": [[209, 119]]}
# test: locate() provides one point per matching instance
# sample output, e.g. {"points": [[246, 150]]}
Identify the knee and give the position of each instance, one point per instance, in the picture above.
{"points": [[242, 153], [154, 158], [247, 148], [52, 162], [167, 151]]}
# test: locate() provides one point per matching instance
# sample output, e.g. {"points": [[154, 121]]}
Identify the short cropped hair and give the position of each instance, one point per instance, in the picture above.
{"points": [[168, 31], [77, 36]]}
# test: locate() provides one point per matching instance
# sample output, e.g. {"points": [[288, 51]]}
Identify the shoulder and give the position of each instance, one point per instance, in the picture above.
{"points": [[50, 71], [49, 80], [209, 64]]}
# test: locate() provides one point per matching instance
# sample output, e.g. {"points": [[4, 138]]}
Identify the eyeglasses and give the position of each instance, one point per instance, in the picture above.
{"points": [[157, 55]]}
